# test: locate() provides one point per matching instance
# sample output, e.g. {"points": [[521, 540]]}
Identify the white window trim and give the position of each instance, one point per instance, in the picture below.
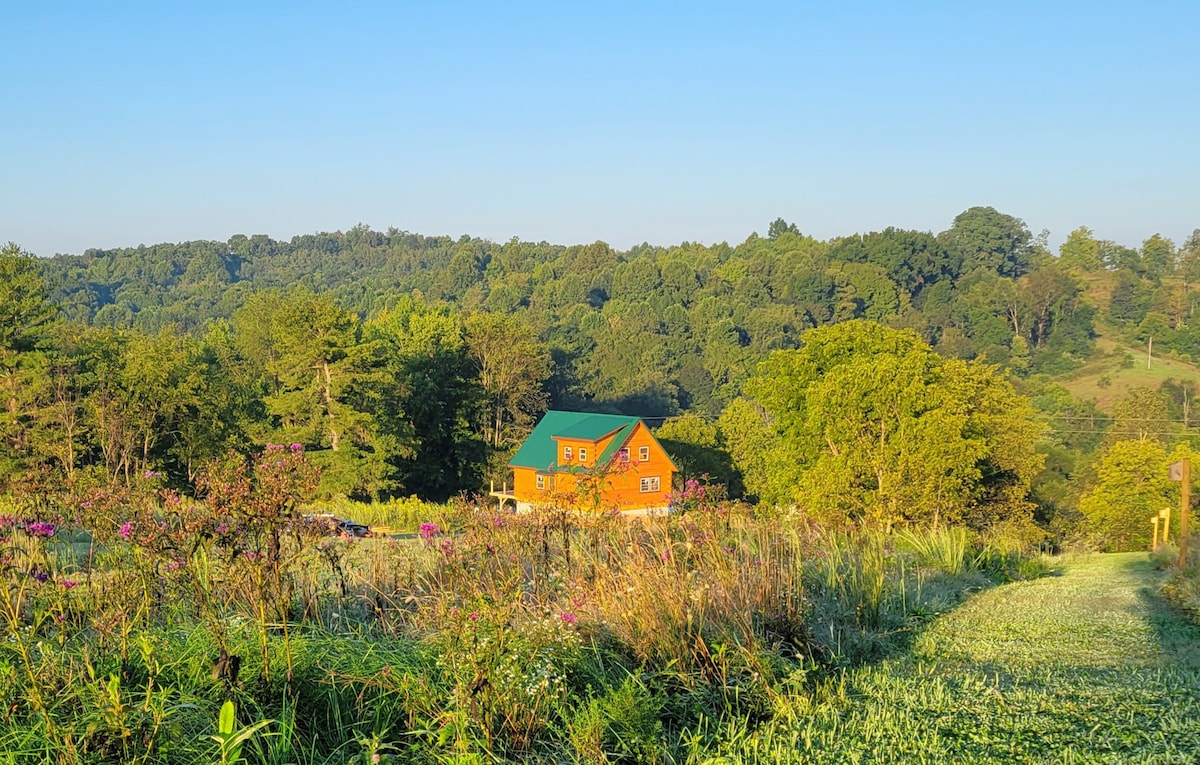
{"points": [[651, 483], [541, 483], [583, 454], [623, 454], [568, 454], [643, 453]]}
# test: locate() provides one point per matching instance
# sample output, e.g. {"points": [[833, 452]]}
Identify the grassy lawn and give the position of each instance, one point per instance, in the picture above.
{"points": [[1086, 666]]}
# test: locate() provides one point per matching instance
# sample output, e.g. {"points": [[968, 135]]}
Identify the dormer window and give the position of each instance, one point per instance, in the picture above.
{"points": [[568, 454], [583, 454]]}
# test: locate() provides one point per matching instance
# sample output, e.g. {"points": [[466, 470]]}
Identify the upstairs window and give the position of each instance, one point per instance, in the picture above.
{"points": [[649, 484], [623, 454], [643, 453], [541, 483], [568, 454], [583, 454]]}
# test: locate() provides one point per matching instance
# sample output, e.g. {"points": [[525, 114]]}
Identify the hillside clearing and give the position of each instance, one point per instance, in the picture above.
{"points": [[1086, 382]]}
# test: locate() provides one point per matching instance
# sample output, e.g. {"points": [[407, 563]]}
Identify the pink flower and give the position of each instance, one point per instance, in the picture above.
{"points": [[40, 529], [126, 529], [296, 448], [429, 531], [68, 584], [567, 617], [474, 616]]}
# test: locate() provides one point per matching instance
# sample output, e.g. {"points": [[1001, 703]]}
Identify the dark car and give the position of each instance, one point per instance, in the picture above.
{"points": [[340, 526]]}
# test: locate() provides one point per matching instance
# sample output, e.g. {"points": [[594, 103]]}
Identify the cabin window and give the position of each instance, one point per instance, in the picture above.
{"points": [[583, 454], [650, 483], [568, 454], [643, 453], [541, 483], [623, 454]]}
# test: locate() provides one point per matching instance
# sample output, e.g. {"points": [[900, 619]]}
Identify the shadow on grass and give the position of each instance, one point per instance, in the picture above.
{"points": [[1178, 637]]}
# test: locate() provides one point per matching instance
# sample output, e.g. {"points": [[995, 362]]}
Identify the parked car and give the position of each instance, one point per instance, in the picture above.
{"points": [[339, 526]]}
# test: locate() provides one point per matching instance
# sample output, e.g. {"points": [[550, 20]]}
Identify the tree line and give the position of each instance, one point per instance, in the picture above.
{"points": [[411, 364]]}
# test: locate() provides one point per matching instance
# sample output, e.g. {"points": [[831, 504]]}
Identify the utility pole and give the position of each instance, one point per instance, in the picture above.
{"points": [[1182, 471]]}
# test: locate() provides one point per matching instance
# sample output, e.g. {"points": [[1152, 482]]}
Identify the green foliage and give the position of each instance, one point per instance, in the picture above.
{"points": [[622, 725], [1131, 487], [881, 428], [697, 449], [230, 739]]}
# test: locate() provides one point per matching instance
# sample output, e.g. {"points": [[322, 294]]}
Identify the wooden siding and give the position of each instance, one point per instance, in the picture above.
{"points": [[621, 485]]}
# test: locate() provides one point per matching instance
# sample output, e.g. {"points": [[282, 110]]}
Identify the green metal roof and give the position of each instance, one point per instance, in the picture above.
{"points": [[540, 451]]}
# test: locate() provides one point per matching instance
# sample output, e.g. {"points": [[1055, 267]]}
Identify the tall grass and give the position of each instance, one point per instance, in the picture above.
{"points": [[944, 549], [483, 637]]}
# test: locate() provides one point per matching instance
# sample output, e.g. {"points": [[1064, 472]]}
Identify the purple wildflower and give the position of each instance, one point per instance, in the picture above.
{"points": [[40, 529], [429, 531], [296, 448], [567, 617], [126, 529], [39, 575], [68, 583]]}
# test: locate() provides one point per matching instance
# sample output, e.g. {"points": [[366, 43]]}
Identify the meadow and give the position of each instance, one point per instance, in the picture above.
{"points": [[133, 618]]}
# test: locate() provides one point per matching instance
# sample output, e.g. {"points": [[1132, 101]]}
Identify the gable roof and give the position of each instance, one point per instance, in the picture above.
{"points": [[540, 450]]}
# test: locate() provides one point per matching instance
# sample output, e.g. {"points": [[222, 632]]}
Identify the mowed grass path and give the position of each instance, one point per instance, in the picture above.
{"points": [[1085, 666]]}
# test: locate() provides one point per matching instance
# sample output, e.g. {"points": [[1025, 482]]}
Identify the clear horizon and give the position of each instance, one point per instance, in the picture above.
{"points": [[661, 123]]}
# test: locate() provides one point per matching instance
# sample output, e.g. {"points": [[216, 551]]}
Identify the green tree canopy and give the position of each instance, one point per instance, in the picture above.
{"points": [[1131, 487], [879, 427]]}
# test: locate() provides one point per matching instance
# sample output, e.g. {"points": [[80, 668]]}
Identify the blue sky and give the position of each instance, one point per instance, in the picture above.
{"points": [[567, 122]]}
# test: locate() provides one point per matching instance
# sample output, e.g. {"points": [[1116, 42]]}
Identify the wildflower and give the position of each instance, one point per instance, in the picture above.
{"points": [[474, 616], [87, 503], [40, 529], [296, 448], [151, 474], [68, 583], [126, 529], [429, 531], [665, 554], [567, 617], [39, 575]]}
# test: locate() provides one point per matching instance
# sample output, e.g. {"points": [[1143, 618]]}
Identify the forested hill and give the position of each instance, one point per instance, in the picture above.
{"points": [[654, 330], [404, 364]]}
